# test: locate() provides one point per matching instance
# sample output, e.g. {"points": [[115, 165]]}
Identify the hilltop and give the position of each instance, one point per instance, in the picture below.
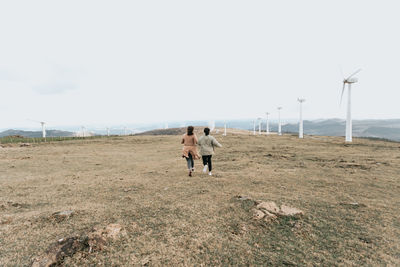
{"points": [[170, 131], [34, 134], [128, 201]]}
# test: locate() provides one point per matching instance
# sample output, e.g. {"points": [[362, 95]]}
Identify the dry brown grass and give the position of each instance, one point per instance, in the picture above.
{"points": [[141, 183]]}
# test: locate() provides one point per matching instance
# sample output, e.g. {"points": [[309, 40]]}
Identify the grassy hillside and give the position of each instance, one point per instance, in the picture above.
{"points": [[350, 196]]}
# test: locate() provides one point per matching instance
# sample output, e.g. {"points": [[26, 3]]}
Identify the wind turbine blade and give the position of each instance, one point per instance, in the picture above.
{"points": [[353, 74], [341, 97]]}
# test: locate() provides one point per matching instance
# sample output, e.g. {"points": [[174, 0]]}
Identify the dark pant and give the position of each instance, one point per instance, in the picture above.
{"points": [[207, 161], [190, 162]]}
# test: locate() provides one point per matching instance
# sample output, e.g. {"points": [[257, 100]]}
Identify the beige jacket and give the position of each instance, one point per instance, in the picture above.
{"points": [[190, 146], [207, 144]]}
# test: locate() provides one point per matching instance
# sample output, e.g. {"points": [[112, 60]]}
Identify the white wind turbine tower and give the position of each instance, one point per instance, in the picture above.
{"points": [[254, 127], [43, 127], [267, 127], [349, 124], [259, 126], [301, 100], [211, 125], [279, 121], [224, 129], [83, 130], [108, 131]]}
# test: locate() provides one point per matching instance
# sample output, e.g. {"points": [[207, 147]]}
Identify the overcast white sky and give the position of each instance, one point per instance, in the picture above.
{"points": [[110, 62]]}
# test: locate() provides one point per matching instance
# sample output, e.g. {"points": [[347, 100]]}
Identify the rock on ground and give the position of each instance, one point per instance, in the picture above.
{"points": [[258, 214], [289, 211], [269, 206], [269, 217]]}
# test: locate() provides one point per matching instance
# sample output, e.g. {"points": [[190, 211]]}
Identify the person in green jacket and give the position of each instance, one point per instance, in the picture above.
{"points": [[207, 144]]}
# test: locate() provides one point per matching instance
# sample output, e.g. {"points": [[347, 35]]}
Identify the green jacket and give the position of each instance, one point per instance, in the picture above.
{"points": [[207, 144]]}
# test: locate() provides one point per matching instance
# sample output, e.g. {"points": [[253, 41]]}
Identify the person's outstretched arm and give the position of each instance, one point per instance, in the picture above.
{"points": [[215, 142]]}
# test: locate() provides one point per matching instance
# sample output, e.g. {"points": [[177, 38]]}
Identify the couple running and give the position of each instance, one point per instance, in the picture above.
{"points": [[206, 143]]}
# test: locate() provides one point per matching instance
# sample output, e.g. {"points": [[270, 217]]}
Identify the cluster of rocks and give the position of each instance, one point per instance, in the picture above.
{"points": [[269, 211], [95, 240]]}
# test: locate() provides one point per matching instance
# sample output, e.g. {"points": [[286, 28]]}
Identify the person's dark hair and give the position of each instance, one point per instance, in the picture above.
{"points": [[207, 131], [190, 130]]}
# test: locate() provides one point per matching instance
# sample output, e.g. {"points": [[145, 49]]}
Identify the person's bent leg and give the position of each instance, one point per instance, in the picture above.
{"points": [[209, 163], [192, 161], [189, 163], [205, 161]]}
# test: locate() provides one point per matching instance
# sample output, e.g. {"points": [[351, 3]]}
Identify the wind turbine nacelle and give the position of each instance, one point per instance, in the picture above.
{"points": [[352, 80]]}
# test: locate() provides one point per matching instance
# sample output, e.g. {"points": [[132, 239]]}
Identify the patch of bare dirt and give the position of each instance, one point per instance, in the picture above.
{"points": [[95, 240]]}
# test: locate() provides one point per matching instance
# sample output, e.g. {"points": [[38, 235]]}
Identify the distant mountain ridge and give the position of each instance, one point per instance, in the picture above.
{"points": [[32, 134], [386, 129]]}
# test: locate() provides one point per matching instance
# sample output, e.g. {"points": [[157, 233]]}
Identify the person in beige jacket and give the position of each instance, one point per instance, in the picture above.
{"points": [[189, 141], [207, 144]]}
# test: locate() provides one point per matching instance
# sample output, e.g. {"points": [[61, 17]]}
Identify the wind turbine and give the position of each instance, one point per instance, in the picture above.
{"points": [[254, 127], [301, 100], [43, 127], [349, 124], [108, 131], [83, 130], [211, 125], [259, 126], [279, 121], [224, 129], [267, 130]]}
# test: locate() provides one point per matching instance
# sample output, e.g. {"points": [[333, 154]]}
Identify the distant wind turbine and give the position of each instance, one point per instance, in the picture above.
{"points": [[83, 128], [224, 129], [267, 127], [254, 127], [43, 129], [43, 124], [211, 125], [279, 121], [349, 124], [301, 100], [259, 126]]}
